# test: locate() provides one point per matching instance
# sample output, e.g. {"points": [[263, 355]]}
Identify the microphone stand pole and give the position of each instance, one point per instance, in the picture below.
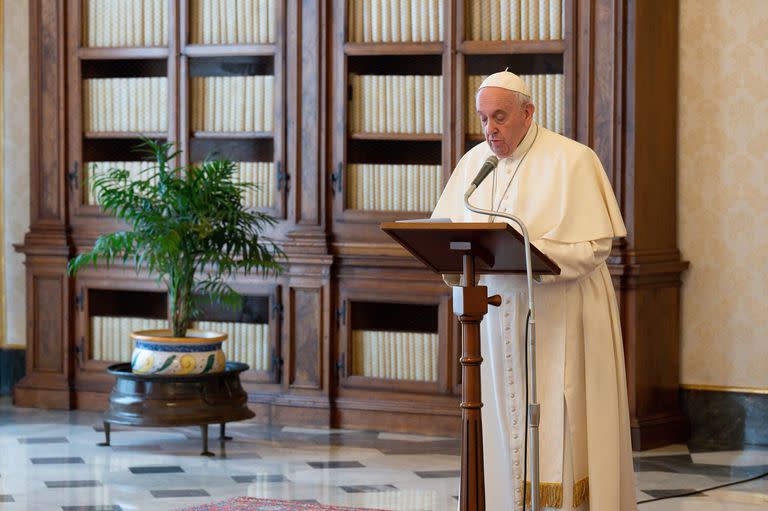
{"points": [[533, 405]]}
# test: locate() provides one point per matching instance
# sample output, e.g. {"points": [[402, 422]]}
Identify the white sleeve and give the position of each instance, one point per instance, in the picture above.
{"points": [[575, 260]]}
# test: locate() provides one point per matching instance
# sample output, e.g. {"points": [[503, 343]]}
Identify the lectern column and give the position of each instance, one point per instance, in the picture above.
{"points": [[470, 304]]}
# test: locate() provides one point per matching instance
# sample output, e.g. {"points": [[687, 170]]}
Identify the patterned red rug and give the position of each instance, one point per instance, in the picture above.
{"points": [[254, 504]]}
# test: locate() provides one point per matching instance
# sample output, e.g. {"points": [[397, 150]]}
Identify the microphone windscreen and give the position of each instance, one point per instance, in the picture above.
{"points": [[487, 168]]}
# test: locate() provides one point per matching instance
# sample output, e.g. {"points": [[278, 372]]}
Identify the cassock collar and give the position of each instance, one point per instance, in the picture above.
{"points": [[525, 144]]}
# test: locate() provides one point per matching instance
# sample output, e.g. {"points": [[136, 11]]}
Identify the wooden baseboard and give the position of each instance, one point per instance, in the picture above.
{"points": [[398, 423], [659, 431], [53, 399]]}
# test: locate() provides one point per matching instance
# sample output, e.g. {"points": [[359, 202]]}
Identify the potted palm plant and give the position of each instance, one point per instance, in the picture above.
{"points": [[189, 228]]}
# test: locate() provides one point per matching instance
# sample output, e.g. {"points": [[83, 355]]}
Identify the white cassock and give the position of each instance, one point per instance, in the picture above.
{"points": [[558, 188]]}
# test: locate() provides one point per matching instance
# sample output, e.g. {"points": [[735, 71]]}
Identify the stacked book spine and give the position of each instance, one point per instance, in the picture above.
{"points": [[232, 103], [547, 93], [246, 342], [395, 355], [395, 21], [232, 21], [94, 169], [125, 23], [262, 174], [125, 104], [515, 20], [396, 104], [386, 187], [111, 335]]}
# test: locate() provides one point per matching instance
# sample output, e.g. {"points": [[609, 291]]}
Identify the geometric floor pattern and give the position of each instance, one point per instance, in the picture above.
{"points": [[50, 460]]}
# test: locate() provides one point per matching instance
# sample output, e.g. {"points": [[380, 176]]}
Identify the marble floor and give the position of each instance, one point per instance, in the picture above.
{"points": [[50, 460]]}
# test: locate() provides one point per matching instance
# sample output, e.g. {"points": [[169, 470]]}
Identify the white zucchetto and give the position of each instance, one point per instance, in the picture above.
{"points": [[506, 80]]}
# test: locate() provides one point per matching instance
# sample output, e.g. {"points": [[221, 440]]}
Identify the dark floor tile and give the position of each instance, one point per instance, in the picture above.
{"points": [[437, 474], [155, 470], [137, 448], [72, 484], [164, 494], [335, 464], [261, 478], [113, 507], [44, 440], [683, 464], [671, 463], [6, 498], [724, 470], [656, 494], [56, 461], [368, 488]]}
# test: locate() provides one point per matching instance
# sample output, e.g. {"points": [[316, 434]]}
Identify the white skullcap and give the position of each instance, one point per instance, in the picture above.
{"points": [[506, 80]]}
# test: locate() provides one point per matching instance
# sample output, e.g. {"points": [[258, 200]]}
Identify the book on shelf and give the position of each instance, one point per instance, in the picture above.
{"points": [[404, 104], [125, 104], [394, 355], [383, 21], [232, 21], [232, 103], [504, 20], [120, 23], [390, 187]]}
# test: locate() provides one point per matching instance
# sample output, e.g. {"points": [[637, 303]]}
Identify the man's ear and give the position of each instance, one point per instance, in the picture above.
{"points": [[529, 109]]}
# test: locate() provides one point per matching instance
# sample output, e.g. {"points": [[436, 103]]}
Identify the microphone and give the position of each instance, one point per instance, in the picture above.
{"points": [[486, 169]]}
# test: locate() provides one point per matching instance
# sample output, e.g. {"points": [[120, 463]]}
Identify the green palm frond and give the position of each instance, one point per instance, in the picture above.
{"points": [[184, 222]]}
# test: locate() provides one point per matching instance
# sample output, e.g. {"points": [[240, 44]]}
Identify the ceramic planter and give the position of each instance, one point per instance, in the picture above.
{"points": [[157, 352]]}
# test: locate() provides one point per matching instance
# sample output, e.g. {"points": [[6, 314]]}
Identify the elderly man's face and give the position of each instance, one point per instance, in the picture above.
{"points": [[504, 121]]}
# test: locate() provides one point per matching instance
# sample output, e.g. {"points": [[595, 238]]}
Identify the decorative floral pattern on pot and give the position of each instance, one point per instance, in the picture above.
{"points": [[156, 352]]}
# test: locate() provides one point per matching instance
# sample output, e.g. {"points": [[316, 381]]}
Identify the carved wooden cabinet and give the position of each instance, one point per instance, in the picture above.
{"points": [[347, 118]]}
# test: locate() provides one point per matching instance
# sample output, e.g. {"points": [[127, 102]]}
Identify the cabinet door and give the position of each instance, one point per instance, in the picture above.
{"points": [[232, 93], [122, 86], [391, 119], [253, 330], [107, 310], [395, 341]]}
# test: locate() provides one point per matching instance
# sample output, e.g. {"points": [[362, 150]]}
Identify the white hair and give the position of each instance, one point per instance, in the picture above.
{"points": [[522, 99]]}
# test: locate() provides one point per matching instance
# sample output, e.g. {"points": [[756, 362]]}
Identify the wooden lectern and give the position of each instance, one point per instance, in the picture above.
{"points": [[470, 249]]}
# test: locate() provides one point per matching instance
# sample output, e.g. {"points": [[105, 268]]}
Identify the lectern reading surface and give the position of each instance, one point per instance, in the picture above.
{"points": [[430, 243]]}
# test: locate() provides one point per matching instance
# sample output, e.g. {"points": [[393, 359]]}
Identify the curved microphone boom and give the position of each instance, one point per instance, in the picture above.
{"points": [[533, 404]]}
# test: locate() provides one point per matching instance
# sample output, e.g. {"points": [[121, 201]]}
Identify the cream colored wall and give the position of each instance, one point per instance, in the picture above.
{"points": [[723, 191], [15, 170]]}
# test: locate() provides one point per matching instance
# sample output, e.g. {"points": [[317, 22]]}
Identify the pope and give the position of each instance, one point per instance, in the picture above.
{"points": [[559, 189]]}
